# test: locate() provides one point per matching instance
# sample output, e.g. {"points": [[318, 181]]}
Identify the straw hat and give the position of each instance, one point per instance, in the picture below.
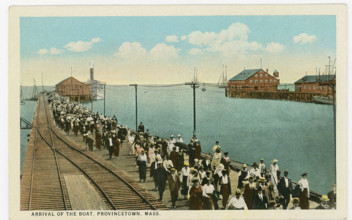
{"points": [[244, 165], [324, 198], [186, 164], [275, 161], [238, 192], [295, 200]]}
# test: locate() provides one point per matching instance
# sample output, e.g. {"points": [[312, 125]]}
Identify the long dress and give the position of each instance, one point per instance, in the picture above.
{"points": [[117, 148], [248, 194], [303, 199], [195, 198], [142, 165], [98, 140], [198, 151]]}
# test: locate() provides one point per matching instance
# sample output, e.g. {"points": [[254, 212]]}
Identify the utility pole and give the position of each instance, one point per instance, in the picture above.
{"points": [[104, 98], [193, 84], [135, 89]]}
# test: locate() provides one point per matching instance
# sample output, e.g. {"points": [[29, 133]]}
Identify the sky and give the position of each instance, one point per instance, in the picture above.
{"points": [[165, 50]]}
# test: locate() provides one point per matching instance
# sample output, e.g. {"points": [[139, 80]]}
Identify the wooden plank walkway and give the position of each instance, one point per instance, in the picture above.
{"points": [[82, 194]]}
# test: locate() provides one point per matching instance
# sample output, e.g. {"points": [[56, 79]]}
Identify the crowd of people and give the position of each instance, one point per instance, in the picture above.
{"points": [[201, 179]]}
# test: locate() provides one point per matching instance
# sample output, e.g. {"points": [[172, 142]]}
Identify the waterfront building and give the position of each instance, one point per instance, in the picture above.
{"points": [[73, 89], [322, 84], [254, 80]]}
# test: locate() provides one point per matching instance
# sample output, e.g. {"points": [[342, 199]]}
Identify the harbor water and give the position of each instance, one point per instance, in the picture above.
{"points": [[299, 135]]}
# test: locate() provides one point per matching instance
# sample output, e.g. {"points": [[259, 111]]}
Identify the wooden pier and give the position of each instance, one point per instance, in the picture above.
{"points": [[58, 175], [275, 95]]}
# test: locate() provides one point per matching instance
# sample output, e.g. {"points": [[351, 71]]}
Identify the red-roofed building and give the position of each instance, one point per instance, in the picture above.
{"points": [[74, 89]]}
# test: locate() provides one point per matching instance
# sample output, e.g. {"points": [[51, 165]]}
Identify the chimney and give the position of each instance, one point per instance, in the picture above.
{"points": [[91, 74]]}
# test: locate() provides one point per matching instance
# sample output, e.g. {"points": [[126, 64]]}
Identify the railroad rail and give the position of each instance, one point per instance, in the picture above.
{"points": [[43, 186]]}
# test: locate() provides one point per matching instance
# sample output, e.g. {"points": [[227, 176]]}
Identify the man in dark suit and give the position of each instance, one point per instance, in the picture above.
{"points": [[260, 201], [160, 177], [285, 188]]}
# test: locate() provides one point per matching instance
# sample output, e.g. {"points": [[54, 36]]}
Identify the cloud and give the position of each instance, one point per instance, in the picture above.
{"points": [[184, 37], [304, 38], [228, 42], [81, 46], [42, 51], [163, 51], [195, 51], [274, 47], [171, 38], [54, 51], [131, 50]]}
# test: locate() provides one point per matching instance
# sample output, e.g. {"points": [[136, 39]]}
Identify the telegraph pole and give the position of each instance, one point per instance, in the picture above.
{"points": [[135, 91], [193, 84], [104, 98]]}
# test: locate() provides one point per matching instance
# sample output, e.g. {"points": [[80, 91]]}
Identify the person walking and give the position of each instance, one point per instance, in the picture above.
{"points": [[195, 196], [174, 186], [198, 150], [262, 168], [242, 176], [207, 193], [142, 166], [285, 189], [109, 144], [237, 202], [117, 148], [305, 194], [260, 200], [249, 192], [274, 168], [98, 139], [161, 176], [225, 188], [185, 171], [141, 127]]}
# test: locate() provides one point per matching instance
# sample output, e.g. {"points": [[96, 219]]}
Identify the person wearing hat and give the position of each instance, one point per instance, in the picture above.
{"points": [[161, 176], [153, 167], [260, 200], [285, 189], [195, 196], [180, 160], [98, 139], [207, 192], [249, 191], [278, 202], [274, 168], [192, 152], [174, 186], [185, 171], [216, 146], [151, 153], [305, 194], [226, 161], [295, 204], [198, 150], [206, 163], [141, 127], [225, 188], [255, 171], [179, 139], [173, 156], [237, 202], [171, 143], [142, 166], [242, 176], [217, 176], [110, 145], [332, 197], [324, 202], [216, 158]]}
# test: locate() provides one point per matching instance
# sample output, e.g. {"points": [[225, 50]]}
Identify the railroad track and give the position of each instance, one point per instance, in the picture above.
{"points": [[62, 157]]}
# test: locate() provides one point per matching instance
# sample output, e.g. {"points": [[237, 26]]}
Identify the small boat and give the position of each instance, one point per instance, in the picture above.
{"points": [[327, 100], [203, 88]]}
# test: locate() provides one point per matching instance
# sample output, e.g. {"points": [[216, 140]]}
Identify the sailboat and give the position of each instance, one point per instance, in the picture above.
{"points": [[195, 80], [203, 87], [34, 94], [22, 102], [222, 83], [327, 80]]}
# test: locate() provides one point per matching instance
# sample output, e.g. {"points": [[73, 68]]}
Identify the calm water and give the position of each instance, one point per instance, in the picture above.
{"points": [[299, 135]]}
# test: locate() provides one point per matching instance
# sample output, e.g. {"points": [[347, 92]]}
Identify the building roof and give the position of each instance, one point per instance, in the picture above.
{"points": [[245, 74], [68, 79], [315, 78]]}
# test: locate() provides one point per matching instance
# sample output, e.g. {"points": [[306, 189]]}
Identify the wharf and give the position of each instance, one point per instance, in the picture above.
{"points": [[124, 164]]}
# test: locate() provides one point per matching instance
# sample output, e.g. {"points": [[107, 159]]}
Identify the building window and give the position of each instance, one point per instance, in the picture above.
{"points": [[305, 87], [266, 81], [314, 87], [256, 75], [261, 81], [261, 75], [271, 81], [308, 87], [274, 80], [250, 81], [256, 81]]}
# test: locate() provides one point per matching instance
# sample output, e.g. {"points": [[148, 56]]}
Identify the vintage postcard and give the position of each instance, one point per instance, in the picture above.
{"points": [[192, 112]]}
